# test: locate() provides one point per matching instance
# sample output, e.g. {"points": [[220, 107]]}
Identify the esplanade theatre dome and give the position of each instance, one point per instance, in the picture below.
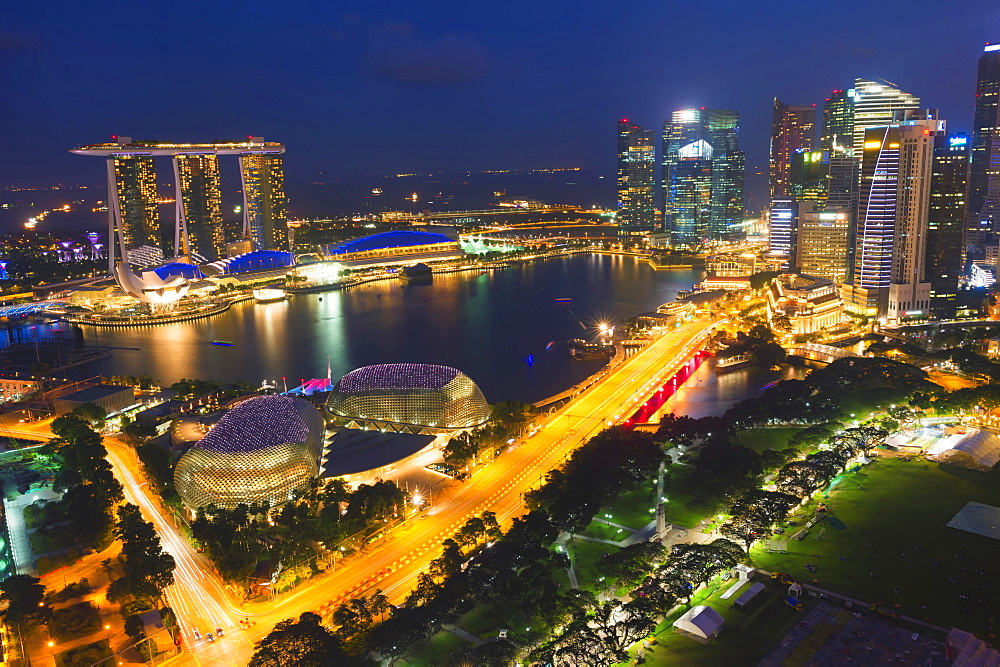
{"points": [[260, 451], [408, 398]]}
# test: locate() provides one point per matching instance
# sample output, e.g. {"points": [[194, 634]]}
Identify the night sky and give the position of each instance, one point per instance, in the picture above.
{"points": [[385, 87]]}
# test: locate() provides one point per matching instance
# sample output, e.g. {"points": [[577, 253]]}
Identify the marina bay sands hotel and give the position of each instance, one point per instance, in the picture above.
{"points": [[133, 196]]}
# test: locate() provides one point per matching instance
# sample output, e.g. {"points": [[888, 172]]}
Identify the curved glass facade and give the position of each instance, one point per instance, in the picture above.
{"points": [[262, 450], [421, 397]]}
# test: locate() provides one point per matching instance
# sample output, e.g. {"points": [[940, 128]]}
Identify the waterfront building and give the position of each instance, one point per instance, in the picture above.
{"points": [[888, 277], [703, 171], [201, 205], [793, 129], [824, 242], [135, 182], [263, 450], [112, 398], [636, 165], [408, 398], [945, 221], [198, 230], [984, 180], [838, 121], [265, 216], [733, 265], [400, 247], [810, 303]]}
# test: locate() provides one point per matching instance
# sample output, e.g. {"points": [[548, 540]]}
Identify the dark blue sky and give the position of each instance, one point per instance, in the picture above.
{"points": [[423, 86]]}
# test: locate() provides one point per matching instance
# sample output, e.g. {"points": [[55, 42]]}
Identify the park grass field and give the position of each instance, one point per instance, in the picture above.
{"points": [[895, 513], [759, 439], [745, 638]]}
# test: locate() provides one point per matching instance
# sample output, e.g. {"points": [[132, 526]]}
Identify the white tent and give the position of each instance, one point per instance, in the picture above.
{"points": [[700, 622], [968, 448]]}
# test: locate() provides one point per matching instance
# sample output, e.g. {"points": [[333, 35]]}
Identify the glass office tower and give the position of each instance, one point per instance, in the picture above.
{"points": [[636, 166], [703, 172]]}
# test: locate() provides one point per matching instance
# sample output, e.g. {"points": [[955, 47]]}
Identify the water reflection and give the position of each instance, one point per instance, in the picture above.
{"points": [[487, 325]]}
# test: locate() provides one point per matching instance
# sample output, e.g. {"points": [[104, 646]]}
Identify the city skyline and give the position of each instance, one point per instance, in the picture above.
{"points": [[448, 66]]}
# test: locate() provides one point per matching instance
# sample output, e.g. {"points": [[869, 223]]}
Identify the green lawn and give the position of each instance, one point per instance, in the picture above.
{"points": [[632, 509], [438, 650], [678, 498], [56, 539], [745, 638], [585, 557], [759, 439], [896, 530]]}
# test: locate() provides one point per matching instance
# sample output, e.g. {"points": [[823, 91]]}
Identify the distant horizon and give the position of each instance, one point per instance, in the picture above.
{"points": [[449, 88]]}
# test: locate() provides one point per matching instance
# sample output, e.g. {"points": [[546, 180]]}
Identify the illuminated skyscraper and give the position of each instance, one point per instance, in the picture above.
{"points": [[703, 172], [838, 121], [984, 180], [636, 164], [135, 179], [823, 240], [200, 197], [874, 105], [946, 219], [264, 213], [793, 129], [888, 278]]}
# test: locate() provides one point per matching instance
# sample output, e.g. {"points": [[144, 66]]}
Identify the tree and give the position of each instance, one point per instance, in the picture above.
{"points": [[134, 627], [138, 433], [148, 570], [304, 643], [630, 565], [25, 597], [604, 637], [94, 414]]}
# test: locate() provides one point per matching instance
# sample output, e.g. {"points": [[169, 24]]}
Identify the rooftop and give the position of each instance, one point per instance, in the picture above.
{"points": [[95, 393], [396, 376], [353, 451], [256, 424]]}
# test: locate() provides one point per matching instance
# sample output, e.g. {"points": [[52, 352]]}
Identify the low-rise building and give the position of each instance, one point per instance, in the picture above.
{"points": [[112, 398], [810, 303]]}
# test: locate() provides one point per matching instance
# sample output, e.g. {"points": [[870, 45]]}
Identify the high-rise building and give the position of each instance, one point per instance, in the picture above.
{"points": [[135, 179], [264, 213], [888, 278], [842, 181], [984, 179], [823, 240], [945, 221], [201, 204], [809, 175], [875, 104], [703, 172], [793, 129], [636, 167], [784, 230], [838, 121]]}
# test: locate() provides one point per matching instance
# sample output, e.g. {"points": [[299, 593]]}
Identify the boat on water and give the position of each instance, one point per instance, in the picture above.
{"points": [[269, 294]]}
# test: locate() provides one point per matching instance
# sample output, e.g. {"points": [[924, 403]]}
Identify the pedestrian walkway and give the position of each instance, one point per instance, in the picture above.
{"points": [[616, 525], [459, 632]]}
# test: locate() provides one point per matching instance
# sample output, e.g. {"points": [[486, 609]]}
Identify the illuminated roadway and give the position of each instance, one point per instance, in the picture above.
{"points": [[201, 602]]}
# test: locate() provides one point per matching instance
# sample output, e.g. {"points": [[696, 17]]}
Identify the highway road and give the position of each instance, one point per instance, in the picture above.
{"points": [[202, 603]]}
